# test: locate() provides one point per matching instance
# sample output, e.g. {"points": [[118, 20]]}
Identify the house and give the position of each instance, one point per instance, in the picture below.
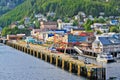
{"points": [[61, 24], [90, 17], [68, 28], [40, 17], [77, 17], [104, 28], [15, 37], [48, 25], [21, 27], [77, 30], [26, 20], [35, 32], [13, 25], [105, 44], [114, 22], [52, 14]]}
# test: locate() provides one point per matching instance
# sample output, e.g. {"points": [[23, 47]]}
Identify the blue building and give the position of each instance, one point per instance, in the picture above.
{"points": [[51, 33], [76, 38]]}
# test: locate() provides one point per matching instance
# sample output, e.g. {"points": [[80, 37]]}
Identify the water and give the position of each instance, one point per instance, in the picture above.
{"points": [[15, 65], [112, 69]]}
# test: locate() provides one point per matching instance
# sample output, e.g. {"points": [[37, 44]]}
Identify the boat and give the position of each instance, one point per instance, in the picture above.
{"points": [[105, 58]]}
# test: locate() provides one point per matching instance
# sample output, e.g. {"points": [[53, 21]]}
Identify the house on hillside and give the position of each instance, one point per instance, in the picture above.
{"points": [[77, 17], [14, 24], [77, 30], [26, 20], [52, 14], [104, 28], [114, 22], [21, 27], [48, 25], [40, 17], [62, 25]]}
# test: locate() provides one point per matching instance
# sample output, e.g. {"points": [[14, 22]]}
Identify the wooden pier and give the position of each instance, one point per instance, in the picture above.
{"points": [[64, 61]]}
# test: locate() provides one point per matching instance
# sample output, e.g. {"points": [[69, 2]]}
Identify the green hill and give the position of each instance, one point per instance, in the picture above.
{"points": [[7, 5], [62, 8]]}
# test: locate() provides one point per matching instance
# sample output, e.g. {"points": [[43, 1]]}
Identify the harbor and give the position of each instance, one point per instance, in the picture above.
{"points": [[109, 69], [59, 40], [16, 65], [63, 61]]}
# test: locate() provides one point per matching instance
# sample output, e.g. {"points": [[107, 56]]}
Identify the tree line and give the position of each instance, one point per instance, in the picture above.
{"points": [[62, 8]]}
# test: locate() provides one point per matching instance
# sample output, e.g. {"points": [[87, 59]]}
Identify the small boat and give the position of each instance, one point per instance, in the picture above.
{"points": [[105, 58]]}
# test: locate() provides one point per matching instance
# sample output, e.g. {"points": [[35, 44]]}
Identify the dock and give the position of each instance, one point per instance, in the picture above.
{"points": [[61, 60]]}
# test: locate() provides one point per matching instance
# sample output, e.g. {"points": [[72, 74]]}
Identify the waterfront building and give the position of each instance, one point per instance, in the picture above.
{"points": [[107, 44], [16, 37]]}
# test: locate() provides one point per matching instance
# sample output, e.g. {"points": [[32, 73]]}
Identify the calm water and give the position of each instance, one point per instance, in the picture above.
{"points": [[14, 65]]}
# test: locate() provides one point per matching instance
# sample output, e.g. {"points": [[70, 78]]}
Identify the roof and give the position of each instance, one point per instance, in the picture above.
{"points": [[114, 21], [109, 40], [86, 34], [49, 23], [80, 28], [83, 34], [37, 30], [105, 40]]}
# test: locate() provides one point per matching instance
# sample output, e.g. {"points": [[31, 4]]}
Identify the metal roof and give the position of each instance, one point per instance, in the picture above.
{"points": [[109, 40], [105, 40]]}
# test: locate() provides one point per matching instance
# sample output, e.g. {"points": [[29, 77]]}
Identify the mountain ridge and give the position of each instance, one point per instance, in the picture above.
{"points": [[62, 8]]}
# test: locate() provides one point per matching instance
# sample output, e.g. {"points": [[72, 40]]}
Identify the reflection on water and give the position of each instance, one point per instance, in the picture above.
{"points": [[17, 66]]}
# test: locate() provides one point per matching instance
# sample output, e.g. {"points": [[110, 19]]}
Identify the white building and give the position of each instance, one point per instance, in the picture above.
{"points": [[105, 44], [104, 28], [21, 27], [61, 25], [40, 17]]}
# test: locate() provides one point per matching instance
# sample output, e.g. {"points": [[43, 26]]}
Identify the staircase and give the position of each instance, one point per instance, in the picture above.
{"points": [[78, 50]]}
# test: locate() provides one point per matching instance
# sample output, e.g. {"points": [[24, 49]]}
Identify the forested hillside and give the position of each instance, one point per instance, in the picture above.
{"points": [[7, 5], [62, 8]]}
